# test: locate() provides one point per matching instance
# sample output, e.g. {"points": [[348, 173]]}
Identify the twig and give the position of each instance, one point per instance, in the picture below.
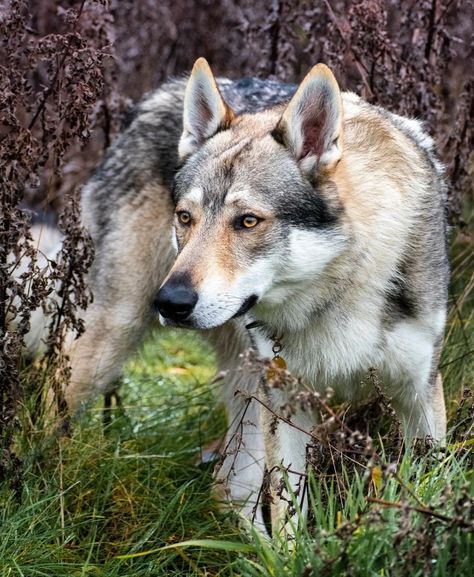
{"points": [[275, 36], [50, 89], [423, 510], [409, 491], [359, 64], [280, 417], [457, 359], [431, 30]]}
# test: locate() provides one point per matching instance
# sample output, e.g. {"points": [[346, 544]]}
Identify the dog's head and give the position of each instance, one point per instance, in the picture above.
{"points": [[257, 217]]}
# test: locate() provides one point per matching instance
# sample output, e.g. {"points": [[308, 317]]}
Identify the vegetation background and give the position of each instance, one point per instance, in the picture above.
{"points": [[84, 501]]}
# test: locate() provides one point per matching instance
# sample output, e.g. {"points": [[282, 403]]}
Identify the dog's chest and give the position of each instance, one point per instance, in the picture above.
{"points": [[327, 356]]}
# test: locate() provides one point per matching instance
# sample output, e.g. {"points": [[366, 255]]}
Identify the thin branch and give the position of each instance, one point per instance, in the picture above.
{"points": [[424, 511], [51, 87], [362, 69], [457, 359]]}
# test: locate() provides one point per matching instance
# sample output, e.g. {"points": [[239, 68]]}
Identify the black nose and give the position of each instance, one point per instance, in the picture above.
{"points": [[176, 301]]}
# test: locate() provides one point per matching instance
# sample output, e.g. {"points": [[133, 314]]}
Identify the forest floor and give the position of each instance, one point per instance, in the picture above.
{"points": [[134, 499]]}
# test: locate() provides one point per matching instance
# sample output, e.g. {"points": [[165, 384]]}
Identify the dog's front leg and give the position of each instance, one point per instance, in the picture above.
{"points": [[286, 441], [414, 384], [240, 478], [422, 412]]}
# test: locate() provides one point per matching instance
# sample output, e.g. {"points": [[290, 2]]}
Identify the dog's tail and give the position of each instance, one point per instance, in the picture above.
{"points": [[47, 240]]}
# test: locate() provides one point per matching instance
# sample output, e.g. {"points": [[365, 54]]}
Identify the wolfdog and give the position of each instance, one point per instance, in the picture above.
{"points": [[264, 213]]}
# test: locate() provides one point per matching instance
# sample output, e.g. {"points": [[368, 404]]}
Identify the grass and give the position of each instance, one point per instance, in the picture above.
{"points": [[133, 501], [94, 496]]}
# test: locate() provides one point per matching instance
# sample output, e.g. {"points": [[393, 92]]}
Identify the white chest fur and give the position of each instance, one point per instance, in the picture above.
{"points": [[337, 352], [336, 357]]}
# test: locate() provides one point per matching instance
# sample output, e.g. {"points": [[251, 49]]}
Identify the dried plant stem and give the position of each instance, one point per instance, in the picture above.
{"points": [[424, 511]]}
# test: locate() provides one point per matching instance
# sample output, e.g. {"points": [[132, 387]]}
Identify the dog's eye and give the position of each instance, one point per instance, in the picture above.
{"points": [[184, 217], [248, 221]]}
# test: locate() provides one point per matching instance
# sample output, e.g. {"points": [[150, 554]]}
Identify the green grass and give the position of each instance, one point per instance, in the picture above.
{"points": [[133, 501], [89, 498]]}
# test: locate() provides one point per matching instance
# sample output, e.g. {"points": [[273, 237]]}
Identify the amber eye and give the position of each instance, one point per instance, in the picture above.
{"points": [[249, 221], [184, 217]]}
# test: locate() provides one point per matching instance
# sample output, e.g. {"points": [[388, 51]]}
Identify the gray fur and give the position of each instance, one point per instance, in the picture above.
{"points": [[129, 205], [147, 149]]}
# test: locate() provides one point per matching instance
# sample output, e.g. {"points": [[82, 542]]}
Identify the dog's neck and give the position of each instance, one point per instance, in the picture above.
{"points": [[292, 316]]}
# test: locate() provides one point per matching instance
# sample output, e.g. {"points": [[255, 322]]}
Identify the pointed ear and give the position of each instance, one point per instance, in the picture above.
{"points": [[311, 126], [205, 111]]}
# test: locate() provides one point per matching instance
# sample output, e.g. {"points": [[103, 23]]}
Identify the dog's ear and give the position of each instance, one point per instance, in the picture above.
{"points": [[205, 112], [311, 126]]}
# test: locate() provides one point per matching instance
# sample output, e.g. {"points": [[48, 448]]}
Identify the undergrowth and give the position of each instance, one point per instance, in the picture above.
{"points": [[134, 498], [125, 495]]}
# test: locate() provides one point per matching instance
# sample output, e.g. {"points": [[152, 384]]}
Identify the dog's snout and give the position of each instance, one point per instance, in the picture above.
{"points": [[176, 301]]}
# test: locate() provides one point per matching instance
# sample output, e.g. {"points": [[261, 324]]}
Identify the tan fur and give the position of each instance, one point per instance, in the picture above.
{"points": [[115, 323], [216, 248], [331, 319], [440, 406]]}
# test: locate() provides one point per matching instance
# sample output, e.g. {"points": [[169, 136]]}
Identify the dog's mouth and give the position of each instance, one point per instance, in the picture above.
{"points": [[246, 306], [193, 322]]}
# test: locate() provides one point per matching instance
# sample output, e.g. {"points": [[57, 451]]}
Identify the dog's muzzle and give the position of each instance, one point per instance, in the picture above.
{"points": [[176, 302], [246, 306]]}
